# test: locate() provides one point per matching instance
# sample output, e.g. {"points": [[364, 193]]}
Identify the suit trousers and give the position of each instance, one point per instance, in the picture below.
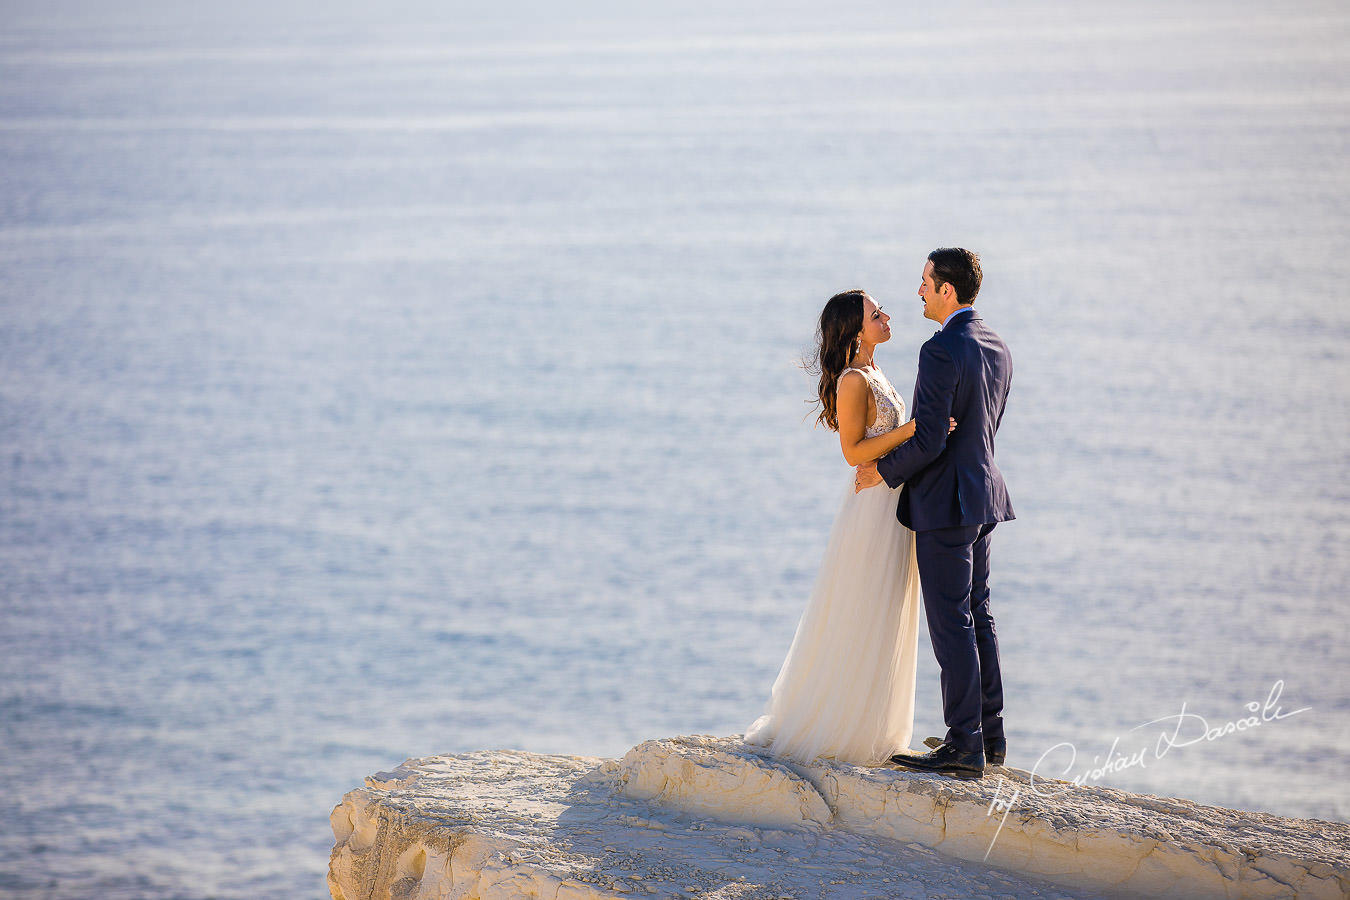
{"points": [[954, 572]]}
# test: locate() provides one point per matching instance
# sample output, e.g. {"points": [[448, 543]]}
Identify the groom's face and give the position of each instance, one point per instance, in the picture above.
{"points": [[931, 296]]}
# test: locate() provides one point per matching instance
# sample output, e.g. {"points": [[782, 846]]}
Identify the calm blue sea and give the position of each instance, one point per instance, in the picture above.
{"points": [[384, 382]]}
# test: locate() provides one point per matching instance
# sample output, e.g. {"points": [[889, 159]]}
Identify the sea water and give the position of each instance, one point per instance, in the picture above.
{"points": [[379, 383]]}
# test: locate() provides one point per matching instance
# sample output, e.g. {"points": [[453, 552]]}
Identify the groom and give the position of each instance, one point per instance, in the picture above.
{"points": [[953, 497]]}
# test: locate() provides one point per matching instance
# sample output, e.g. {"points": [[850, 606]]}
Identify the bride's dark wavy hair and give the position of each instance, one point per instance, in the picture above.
{"points": [[836, 342]]}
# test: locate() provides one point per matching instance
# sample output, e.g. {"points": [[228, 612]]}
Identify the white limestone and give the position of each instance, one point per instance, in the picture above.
{"points": [[702, 816]]}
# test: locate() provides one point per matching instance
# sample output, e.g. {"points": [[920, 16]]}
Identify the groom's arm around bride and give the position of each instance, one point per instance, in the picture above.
{"points": [[934, 394]]}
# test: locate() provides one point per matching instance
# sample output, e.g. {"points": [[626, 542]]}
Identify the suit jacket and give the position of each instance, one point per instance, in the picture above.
{"points": [[965, 371]]}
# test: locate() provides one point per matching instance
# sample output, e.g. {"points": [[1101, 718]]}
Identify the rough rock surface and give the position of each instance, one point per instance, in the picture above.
{"points": [[703, 816]]}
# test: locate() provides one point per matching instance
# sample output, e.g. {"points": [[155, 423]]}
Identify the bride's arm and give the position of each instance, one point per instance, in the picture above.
{"points": [[851, 405]]}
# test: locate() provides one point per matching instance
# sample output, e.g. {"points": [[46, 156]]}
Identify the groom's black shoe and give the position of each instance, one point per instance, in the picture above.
{"points": [[995, 749], [947, 759]]}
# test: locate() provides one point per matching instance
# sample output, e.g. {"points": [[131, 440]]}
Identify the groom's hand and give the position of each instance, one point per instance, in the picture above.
{"points": [[866, 476]]}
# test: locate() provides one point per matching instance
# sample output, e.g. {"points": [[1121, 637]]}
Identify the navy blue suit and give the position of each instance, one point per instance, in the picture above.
{"points": [[952, 498]]}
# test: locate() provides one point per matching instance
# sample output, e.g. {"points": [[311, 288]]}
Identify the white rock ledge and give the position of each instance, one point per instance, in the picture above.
{"points": [[703, 816]]}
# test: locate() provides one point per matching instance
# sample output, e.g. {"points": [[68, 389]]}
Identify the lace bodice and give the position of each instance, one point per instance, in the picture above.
{"points": [[890, 408]]}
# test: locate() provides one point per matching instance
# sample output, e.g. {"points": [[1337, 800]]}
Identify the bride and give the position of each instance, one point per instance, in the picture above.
{"points": [[846, 689]]}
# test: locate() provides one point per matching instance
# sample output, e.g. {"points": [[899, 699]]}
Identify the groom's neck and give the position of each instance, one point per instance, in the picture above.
{"points": [[954, 312]]}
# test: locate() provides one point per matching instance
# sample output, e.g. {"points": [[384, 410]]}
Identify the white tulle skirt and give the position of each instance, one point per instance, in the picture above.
{"points": [[846, 689]]}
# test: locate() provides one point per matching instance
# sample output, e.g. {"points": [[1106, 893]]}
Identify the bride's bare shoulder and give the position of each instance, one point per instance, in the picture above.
{"points": [[851, 377], [852, 384]]}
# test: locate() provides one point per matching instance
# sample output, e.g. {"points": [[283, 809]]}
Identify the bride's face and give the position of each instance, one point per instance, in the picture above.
{"points": [[875, 329]]}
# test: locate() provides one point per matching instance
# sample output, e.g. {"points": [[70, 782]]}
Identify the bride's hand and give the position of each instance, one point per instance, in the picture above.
{"points": [[866, 476], [952, 426]]}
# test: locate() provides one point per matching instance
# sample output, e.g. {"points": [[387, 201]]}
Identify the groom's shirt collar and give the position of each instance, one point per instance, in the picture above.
{"points": [[958, 312]]}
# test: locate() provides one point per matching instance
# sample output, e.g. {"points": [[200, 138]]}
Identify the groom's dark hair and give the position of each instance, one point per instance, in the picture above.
{"points": [[960, 268]]}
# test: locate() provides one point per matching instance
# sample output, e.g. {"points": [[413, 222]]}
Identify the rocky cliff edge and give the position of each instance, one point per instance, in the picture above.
{"points": [[704, 816]]}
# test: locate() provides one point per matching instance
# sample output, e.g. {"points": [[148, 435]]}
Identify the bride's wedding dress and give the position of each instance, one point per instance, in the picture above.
{"points": [[846, 689]]}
